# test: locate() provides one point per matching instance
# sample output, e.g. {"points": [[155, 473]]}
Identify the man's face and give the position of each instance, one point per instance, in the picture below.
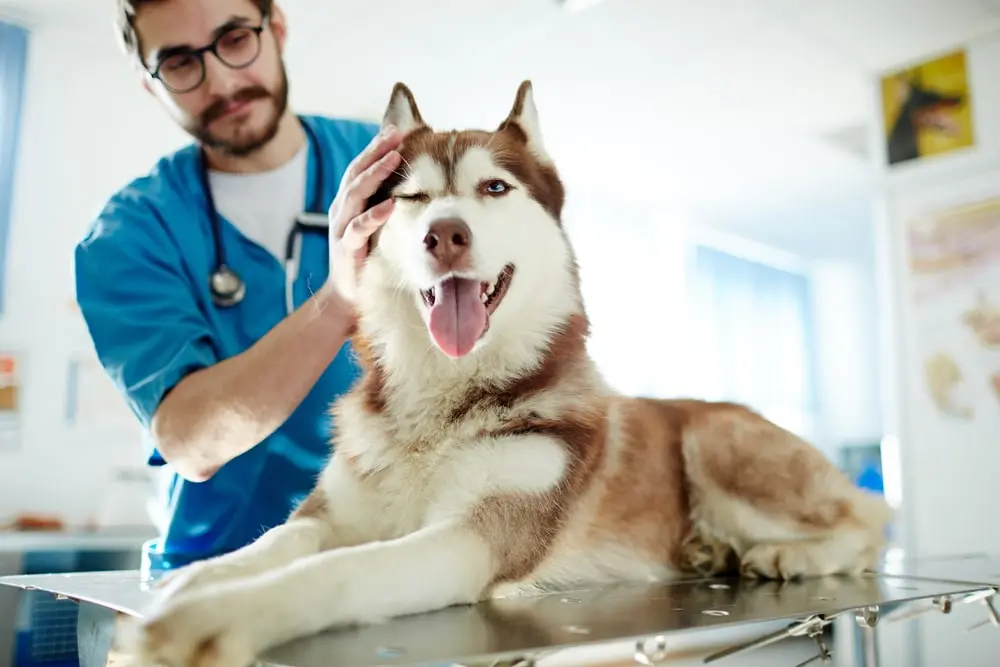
{"points": [[236, 110]]}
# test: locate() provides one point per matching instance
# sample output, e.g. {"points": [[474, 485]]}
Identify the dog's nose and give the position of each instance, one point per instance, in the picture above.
{"points": [[449, 241]]}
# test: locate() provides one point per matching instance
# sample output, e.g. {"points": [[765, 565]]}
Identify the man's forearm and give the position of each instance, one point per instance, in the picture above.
{"points": [[220, 412]]}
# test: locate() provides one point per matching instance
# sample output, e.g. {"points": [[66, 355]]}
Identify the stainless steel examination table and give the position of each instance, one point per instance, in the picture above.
{"points": [[647, 623]]}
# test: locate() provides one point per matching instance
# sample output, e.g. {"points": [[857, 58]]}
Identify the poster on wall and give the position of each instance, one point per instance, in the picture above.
{"points": [[10, 402], [954, 263], [95, 410], [927, 109]]}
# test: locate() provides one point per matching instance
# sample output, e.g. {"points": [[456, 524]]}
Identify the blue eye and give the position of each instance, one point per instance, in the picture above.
{"points": [[495, 187]]}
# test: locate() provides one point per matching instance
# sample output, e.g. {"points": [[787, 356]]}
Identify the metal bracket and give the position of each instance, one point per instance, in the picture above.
{"points": [[811, 626], [867, 617], [520, 661], [992, 617], [825, 654], [945, 603]]}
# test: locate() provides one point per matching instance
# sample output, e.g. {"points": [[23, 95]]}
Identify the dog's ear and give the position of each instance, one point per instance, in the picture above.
{"points": [[402, 110], [524, 116]]}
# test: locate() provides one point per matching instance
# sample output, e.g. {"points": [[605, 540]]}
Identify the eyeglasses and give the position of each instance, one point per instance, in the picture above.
{"points": [[236, 47]]}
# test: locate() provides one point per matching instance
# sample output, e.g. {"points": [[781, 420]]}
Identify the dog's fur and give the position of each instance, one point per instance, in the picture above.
{"points": [[511, 468]]}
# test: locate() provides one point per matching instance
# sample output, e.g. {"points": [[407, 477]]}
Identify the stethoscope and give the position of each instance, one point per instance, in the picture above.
{"points": [[227, 287]]}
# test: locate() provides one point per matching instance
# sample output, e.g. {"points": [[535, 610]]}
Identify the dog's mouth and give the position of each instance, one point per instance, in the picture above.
{"points": [[460, 310]]}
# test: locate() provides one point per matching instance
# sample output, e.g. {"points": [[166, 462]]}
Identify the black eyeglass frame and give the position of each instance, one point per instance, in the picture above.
{"points": [[212, 48]]}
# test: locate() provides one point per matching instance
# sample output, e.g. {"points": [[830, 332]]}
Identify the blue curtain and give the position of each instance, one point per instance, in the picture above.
{"points": [[13, 60], [752, 333]]}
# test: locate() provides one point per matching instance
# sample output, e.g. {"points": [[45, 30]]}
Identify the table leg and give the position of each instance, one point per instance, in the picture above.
{"points": [[866, 629], [95, 631], [869, 647]]}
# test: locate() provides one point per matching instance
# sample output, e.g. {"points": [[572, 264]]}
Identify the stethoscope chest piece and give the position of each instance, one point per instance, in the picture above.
{"points": [[228, 289]]}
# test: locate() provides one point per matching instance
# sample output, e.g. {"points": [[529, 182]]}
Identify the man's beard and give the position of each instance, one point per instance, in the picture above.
{"points": [[244, 145]]}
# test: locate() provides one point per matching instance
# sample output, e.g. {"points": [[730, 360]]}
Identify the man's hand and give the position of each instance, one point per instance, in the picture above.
{"points": [[218, 413], [350, 224]]}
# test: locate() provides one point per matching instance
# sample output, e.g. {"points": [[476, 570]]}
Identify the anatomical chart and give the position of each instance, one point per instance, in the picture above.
{"points": [[955, 277]]}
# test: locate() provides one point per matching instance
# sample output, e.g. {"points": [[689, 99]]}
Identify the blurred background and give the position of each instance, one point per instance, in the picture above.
{"points": [[746, 228]]}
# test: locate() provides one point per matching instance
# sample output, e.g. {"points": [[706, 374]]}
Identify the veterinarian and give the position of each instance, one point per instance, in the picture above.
{"points": [[204, 283]]}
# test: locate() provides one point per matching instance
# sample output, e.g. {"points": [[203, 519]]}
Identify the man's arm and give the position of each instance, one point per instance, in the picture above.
{"points": [[217, 413]]}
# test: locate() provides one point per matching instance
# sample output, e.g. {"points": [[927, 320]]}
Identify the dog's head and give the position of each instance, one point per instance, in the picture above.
{"points": [[927, 107], [473, 255]]}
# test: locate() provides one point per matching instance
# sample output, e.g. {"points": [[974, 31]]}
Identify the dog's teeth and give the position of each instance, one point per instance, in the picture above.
{"points": [[490, 290], [484, 297]]}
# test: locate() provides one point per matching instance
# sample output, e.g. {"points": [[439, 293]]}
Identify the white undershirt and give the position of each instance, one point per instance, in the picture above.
{"points": [[263, 205]]}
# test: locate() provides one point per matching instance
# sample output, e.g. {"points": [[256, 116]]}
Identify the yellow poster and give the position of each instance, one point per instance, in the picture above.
{"points": [[926, 109]]}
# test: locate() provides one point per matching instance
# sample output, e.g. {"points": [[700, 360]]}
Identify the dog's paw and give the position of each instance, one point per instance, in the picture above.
{"points": [[170, 579], [777, 561], [196, 576], [195, 633], [708, 557]]}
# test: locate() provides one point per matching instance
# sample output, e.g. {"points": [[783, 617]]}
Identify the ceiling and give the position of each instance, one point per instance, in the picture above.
{"points": [[747, 112]]}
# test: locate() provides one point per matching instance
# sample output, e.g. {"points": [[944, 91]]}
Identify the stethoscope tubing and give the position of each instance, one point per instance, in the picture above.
{"points": [[314, 220]]}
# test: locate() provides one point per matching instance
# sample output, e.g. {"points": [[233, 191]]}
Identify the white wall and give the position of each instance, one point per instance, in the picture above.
{"points": [[87, 128], [632, 268]]}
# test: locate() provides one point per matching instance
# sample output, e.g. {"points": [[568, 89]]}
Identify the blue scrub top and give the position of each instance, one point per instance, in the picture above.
{"points": [[142, 275]]}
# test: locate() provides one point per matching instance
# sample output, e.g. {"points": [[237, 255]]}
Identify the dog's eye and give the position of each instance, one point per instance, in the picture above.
{"points": [[412, 196], [494, 187]]}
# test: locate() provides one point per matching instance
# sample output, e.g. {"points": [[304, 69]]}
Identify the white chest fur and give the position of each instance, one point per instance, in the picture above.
{"points": [[385, 488]]}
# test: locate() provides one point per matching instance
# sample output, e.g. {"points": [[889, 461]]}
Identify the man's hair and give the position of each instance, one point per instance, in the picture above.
{"points": [[125, 22]]}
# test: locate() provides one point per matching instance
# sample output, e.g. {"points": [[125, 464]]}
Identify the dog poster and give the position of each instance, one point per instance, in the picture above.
{"points": [[926, 109]]}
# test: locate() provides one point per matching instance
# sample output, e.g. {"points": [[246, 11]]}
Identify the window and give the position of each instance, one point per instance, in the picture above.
{"points": [[752, 336], [13, 57]]}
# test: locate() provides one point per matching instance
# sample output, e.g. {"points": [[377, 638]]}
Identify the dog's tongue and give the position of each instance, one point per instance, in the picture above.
{"points": [[458, 316]]}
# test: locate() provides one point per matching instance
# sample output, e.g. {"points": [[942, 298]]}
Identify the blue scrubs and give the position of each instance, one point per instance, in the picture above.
{"points": [[142, 284]]}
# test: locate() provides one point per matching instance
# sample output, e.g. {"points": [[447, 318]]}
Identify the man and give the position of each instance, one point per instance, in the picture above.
{"points": [[233, 391]]}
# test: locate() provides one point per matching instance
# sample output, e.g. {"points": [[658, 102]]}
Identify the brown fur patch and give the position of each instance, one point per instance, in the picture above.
{"points": [[207, 652], [521, 528], [738, 452], [648, 489], [314, 505], [510, 151], [767, 467], [517, 110], [567, 345], [372, 382]]}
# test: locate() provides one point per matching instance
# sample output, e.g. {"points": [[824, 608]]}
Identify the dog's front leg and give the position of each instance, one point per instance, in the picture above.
{"points": [[298, 537], [233, 622], [490, 496], [336, 513]]}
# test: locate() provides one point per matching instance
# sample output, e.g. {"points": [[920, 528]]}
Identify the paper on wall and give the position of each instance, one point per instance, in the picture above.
{"points": [[10, 401], [93, 404], [954, 263]]}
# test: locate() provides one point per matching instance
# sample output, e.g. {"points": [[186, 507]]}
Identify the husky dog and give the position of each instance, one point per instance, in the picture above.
{"points": [[482, 455]]}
